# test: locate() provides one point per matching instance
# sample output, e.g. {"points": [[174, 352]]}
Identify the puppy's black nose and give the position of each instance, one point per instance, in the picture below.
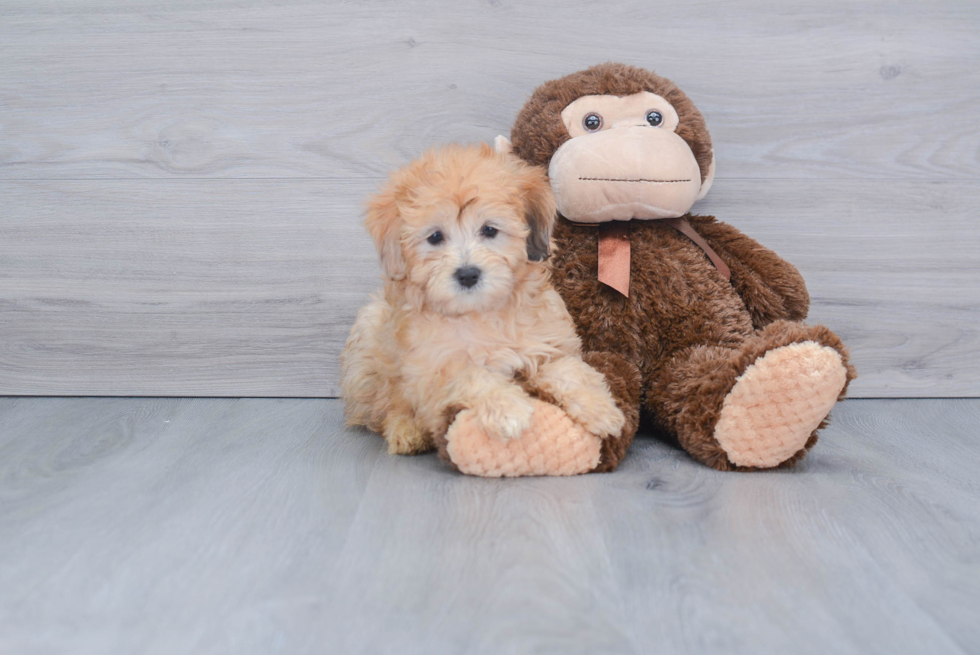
{"points": [[467, 276]]}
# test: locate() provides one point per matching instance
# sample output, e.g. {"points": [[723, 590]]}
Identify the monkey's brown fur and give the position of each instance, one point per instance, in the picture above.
{"points": [[678, 343]]}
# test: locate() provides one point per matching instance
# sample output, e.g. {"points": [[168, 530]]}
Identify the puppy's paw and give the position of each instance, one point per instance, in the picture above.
{"points": [[595, 410], [506, 413], [583, 393], [406, 437]]}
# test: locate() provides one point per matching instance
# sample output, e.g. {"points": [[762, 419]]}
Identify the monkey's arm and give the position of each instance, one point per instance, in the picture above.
{"points": [[770, 287]]}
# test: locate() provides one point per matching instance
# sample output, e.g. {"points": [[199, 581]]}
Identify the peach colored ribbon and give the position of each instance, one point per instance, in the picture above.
{"points": [[614, 252], [614, 255]]}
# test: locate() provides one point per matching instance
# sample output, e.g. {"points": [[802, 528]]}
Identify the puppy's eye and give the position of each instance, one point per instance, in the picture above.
{"points": [[592, 122], [655, 118], [489, 231], [436, 238]]}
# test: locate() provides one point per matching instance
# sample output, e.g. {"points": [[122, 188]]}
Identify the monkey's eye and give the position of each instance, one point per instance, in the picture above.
{"points": [[436, 238], [489, 231], [592, 122], [655, 118]]}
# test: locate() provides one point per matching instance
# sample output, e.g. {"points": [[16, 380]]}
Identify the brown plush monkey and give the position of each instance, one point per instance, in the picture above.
{"points": [[688, 318]]}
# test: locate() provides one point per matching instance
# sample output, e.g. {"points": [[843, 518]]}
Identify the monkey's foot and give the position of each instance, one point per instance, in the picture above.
{"points": [[778, 402], [552, 445]]}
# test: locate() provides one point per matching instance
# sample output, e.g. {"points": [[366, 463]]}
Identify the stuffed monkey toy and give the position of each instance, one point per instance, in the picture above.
{"points": [[690, 321]]}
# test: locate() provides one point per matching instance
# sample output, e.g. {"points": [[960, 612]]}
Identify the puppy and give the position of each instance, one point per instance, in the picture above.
{"points": [[467, 318]]}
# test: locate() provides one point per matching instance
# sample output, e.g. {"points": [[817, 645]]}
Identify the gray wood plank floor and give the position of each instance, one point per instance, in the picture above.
{"points": [[258, 526], [181, 182]]}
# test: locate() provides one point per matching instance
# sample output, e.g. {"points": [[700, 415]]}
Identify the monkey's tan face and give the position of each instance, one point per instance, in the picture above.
{"points": [[624, 161]]}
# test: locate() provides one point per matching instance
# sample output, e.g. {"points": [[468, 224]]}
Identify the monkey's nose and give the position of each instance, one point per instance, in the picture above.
{"points": [[467, 276]]}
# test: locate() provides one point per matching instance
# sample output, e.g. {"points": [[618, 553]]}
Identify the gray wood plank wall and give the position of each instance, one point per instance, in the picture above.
{"points": [[180, 182]]}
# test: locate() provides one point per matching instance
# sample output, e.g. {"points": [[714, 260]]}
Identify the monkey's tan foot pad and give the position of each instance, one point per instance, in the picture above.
{"points": [[552, 445], [778, 402]]}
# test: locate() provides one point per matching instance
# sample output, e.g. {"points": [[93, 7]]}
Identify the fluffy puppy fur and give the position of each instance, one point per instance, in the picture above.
{"points": [[467, 318]]}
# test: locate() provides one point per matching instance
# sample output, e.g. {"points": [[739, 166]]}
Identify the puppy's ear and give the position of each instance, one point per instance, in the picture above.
{"points": [[540, 211], [384, 224]]}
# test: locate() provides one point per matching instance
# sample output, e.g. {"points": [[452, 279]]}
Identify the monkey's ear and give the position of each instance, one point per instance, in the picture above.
{"points": [[708, 179], [503, 145], [540, 212], [384, 224]]}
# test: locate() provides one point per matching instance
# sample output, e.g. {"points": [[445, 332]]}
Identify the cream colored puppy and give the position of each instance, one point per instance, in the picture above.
{"points": [[468, 318]]}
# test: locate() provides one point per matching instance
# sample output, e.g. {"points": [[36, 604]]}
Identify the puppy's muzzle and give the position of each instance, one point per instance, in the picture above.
{"points": [[467, 276]]}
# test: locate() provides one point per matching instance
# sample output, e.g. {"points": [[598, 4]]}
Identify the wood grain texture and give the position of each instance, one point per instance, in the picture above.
{"points": [[180, 183], [218, 288], [107, 88], [256, 526], [249, 287], [164, 526]]}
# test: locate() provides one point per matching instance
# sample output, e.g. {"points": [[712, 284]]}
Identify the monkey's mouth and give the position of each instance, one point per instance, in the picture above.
{"points": [[627, 179]]}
